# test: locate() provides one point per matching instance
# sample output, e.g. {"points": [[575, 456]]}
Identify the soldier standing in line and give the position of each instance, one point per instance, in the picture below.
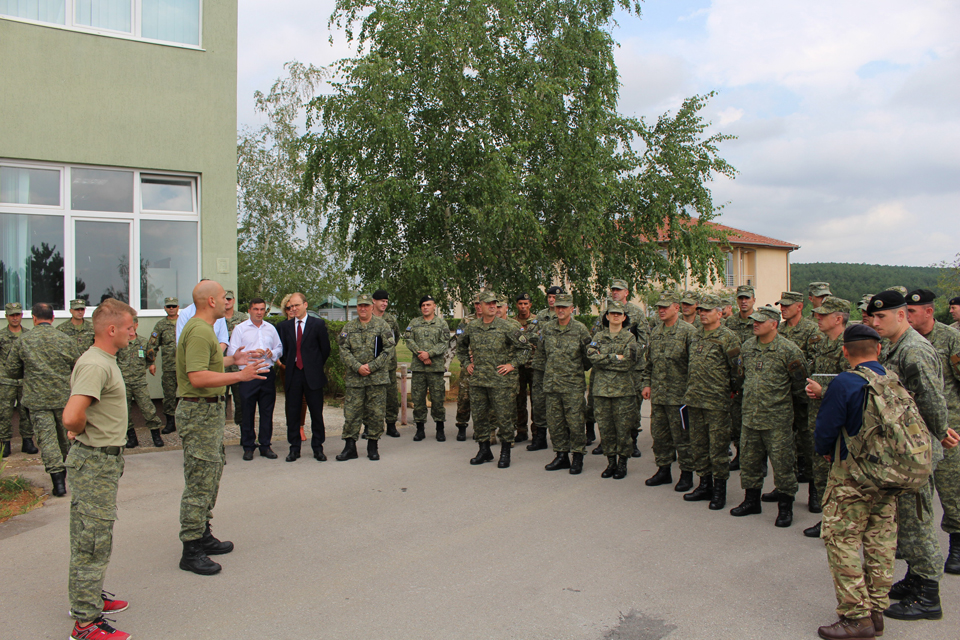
{"points": [[955, 312], [392, 411], [774, 372], [11, 391], [428, 339], [490, 350], [688, 308], [727, 310], [946, 477], [367, 348], [43, 359], [816, 292], [741, 324], [714, 374], [164, 338], [564, 343], [538, 401], [134, 361], [826, 362], [525, 373], [77, 328], [463, 393], [233, 318]]}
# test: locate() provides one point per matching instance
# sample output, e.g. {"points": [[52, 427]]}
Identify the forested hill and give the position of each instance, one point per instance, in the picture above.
{"points": [[851, 281]]}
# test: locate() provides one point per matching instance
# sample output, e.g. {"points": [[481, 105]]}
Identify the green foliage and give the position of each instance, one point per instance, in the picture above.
{"points": [[478, 144], [852, 281], [949, 280]]}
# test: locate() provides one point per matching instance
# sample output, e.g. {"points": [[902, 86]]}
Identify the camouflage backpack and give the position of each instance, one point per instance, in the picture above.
{"points": [[892, 451]]}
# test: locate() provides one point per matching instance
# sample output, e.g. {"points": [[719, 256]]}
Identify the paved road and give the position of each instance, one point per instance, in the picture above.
{"points": [[421, 545]]}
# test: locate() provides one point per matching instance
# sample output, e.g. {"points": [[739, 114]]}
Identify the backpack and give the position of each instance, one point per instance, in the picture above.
{"points": [[892, 451]]}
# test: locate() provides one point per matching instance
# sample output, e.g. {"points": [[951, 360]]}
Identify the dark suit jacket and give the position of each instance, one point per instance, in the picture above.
{"points": [[315, 349]]}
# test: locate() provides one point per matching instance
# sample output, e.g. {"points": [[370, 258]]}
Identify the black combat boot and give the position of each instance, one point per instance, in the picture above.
{"points": [[685, 483], [562, 461], [704, 490], [750, 504], [662, 476], [611, 467], [771, 496], [813, 499], [924, 604], [195, 559], [719, 499], [784, 511], [132, 442], [461, 432], [598, 451], [441, 436], [521, 436], [349, 450], [812, 532], [5, 447], [539, 440], [419, 435], [634, 434], [171, 425], [483, 455], [157, 440], [212, 546], [27, 446], [591, 433], [904, 588], [953, 557], [59, 483], [621, 468], [392, 430], [576, 464], [373, 449], [504, 461]]}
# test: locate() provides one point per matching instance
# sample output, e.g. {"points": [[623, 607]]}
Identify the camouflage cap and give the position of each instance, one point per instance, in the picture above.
{"points": [[727, 301], [563, 300], [790, 297], [818, 289], [618, 283], [690, 297], [746, 291], [364, 298], [12, 308], [710, 301], [765, 313], [171, 301], [865, 301], [78, 304], [229, 295], [614, 305], [833, 304], [901, 290], [501, 299], [668, 298], [487, 296]]}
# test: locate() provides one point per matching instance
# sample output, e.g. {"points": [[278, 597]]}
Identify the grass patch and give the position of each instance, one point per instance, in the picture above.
{"points": [[17, 496]]}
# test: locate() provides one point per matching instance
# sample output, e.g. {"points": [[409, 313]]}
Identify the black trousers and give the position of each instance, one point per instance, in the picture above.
{"points": [[255, 394], [297, 390]]}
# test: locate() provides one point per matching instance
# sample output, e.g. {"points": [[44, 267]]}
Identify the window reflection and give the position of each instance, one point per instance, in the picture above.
{"points": [[103, 261], [168, 261], [31, 259]]}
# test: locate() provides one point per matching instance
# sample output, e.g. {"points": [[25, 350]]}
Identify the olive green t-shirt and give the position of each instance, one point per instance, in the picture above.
{"points": [[198, 350], [97, 375]]}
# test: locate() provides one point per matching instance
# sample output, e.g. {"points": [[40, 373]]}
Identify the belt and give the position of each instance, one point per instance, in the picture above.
{"points": [[210, 400], [110, 451]]}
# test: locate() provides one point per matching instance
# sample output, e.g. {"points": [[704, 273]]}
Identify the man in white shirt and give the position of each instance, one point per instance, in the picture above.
{"points": [[261, 339], [219, 327]]}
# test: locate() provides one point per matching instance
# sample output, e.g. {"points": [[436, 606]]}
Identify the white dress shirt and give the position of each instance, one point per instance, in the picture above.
{"points": [[219, 327], [251, 337]]}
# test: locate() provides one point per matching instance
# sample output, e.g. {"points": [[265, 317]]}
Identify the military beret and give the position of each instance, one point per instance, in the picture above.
{"points": [[857, 332], [765, 313], [364, 298], [901, 290], [426, 298], [170, 302], [380, 294], [668, 298], [954, 301], [523, 296], [12, 308], [833, 304], [619, 284], [690, 297], [615, 306], [564, 300], [710, 301], [230, 295], [487, 296], [886, 300], [921, 296], [818, 289], [78, 304], [554, 290], [746, 291], [790, 297]]}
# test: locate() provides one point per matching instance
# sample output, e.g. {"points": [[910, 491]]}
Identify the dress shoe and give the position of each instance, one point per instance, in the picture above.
{"points": [[27, 446], [419, 435], [171, 425], [621, 472], [846, 628], [373, 452], [212, 546], [349, 450], [319, 455], [132, 441], [392, 430], [662, 476], [771, 496], [562, 461], [924, 604], [267, 452], [598, 451], [719, 499], [952, 564], [591, 433], [195, 559], [248, 454], [157, 438], [751, 504], [441, 436], [504, 460], [59, 483], [611, 467], [483, 454], [461, 433], [704, 490], [293, 455], [576, 464], [813, 532], [685, 483], [784, 511]]}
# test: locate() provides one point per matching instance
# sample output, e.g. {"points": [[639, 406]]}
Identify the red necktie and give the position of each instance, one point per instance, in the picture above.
{"points": [[299, 340]]}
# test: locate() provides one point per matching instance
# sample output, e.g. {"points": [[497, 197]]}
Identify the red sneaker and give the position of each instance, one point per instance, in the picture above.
{"points": [[112, 605], [97, 630]]}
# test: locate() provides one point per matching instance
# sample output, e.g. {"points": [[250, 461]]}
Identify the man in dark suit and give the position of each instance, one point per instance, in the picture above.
{"points": [[306, 347]]}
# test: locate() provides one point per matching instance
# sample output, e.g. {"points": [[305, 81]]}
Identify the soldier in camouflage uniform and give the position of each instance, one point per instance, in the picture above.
{"points": [[428, 339], [525, 373], [714, 375], [43, 359], [134, 361], [463, 393], [367, 348], [741, 324], [490, 349], [664, 381], [164, 339], [233, 318], [77, 328], [538, 400], [727, 311], [11, 391], [688, 308], [816, 292], [774, 372], [946, 478], [955, 312], [613, 352], [380, 303]]}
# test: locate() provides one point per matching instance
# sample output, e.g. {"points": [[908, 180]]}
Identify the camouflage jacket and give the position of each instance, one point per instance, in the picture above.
{"points": [[696, 321], [947, 343], [82, 334], [391, 321], [613, 377], [537, 359], [565, 353], [743, 328], [432, 336], [529, 327], [825, 361], [358, 345], [774, 374], [43, 359], [665, 364], [917, 363], [7, 340], [491, 345], [955, 325], [238, 317], [164, 337], [455, 341], [636, 318], [714, 369], [805, 335], [133, 361]]}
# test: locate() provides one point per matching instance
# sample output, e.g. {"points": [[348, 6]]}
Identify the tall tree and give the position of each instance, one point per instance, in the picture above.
{"points": [[477, 143]]}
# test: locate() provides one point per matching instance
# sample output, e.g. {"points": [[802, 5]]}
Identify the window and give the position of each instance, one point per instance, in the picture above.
{"points": [[93, 232], [731, 276], [169, 21]]}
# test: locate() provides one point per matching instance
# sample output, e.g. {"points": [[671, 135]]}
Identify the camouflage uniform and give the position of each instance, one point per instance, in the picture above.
{"points": [[806, 334], [164, 337], [773, 374], [664, 370], [133, 360], [83, 334], [565, 354], [432, 336], [44, 359], [234, 389], [365, 396], [525, 389], [827, 360], [635, 323], [463, 392], [538, 399], [11, 392], [614, 388], [743, 329], [392, 394]]}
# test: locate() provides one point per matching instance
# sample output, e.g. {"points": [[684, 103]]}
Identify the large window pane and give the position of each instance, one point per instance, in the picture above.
{"points": [[101, 190], [29, 186], [171, 20], [168, 261], [40, 10], [102, 260], [31, 259], [104, 14], [163, 193]]}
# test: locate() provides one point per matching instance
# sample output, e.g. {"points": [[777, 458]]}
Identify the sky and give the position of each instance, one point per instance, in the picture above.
{"points": [[847, 114]]}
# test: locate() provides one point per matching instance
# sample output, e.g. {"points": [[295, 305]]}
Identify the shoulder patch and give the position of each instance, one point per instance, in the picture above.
{"points": [[343, 334], [408, 327], [459, 330], [593, 344], [154, 334]]}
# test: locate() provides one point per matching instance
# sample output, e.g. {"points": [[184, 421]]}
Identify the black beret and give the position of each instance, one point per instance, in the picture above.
{"points": [[921, 296], [886, 300], [554, 290], [427, 297], [523, 296], [955, 300], [857, 332], [380, 294]]}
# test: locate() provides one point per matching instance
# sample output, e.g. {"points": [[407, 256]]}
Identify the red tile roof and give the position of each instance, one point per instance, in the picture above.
{"points": [[741, 237]]}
